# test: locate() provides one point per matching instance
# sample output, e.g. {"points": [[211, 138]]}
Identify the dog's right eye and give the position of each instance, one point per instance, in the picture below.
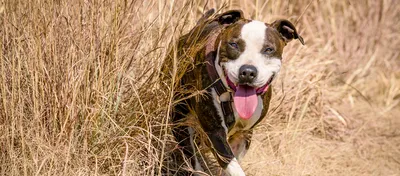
{"points": [[268, 50], [234, 45]]}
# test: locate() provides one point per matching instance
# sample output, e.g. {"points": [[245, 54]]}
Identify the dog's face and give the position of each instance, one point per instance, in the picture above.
{"points": [[250, 54]]}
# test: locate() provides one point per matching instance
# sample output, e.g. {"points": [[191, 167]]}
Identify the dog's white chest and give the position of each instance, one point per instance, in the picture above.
{"points": [[241, 124]]}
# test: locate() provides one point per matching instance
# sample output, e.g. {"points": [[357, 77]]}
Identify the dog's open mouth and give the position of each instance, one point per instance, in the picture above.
{"points": [[259, 90], [245, 97]]}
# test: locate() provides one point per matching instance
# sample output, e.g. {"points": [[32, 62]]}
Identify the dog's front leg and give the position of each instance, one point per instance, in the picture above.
{"points": [[223, 152], [213, 124]]}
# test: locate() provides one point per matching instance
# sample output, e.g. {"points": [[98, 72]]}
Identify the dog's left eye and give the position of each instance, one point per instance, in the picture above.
{"points": [[234, 45], [268, 50]]}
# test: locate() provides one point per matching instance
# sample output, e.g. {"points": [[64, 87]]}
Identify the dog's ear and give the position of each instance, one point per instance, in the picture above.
{"points": [[229, 17], [287, 30], [206, 15]]}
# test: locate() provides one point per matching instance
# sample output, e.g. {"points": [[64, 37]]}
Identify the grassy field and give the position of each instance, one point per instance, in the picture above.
{"points": [[79, 93]]}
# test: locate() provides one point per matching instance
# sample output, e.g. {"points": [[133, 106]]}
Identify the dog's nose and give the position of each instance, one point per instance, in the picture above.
{"points": [[247, 74]]}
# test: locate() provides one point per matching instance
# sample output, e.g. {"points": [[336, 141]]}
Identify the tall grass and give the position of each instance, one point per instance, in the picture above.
{"points": [[80, 95]]}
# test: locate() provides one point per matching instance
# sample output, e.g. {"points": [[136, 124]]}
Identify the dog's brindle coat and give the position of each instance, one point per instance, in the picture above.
{"points": [[229, 134]]}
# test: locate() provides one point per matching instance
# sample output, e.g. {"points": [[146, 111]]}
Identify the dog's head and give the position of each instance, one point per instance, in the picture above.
{"points": [[250, 54]]}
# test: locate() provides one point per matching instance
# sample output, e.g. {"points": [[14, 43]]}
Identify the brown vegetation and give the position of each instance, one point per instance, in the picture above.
{"points": [[79, 93]]}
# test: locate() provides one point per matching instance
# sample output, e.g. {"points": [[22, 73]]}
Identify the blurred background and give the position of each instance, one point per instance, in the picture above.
{"points": [[79, 93]]}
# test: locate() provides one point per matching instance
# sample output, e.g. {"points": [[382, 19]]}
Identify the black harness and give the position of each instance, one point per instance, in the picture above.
{"points": [[217, 84]]}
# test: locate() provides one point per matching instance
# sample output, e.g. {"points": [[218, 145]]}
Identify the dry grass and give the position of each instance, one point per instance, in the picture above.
{"points": [[79, 97]]}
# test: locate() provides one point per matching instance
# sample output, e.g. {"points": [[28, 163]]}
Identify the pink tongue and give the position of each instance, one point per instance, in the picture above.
{"points": [[245, 101]]}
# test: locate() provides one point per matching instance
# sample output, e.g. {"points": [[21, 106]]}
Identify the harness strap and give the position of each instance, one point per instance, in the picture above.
{"points": [[218, 85], [210, 61]]}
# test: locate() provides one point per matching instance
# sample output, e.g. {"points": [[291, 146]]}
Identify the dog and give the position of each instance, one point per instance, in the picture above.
{"points": [[232, 61]]}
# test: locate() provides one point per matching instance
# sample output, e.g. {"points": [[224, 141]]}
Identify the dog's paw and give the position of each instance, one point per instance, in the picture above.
{"points": [[234, 169]]}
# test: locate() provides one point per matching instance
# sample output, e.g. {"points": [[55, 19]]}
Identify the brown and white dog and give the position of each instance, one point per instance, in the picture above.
{"points": [[235, 61]]}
